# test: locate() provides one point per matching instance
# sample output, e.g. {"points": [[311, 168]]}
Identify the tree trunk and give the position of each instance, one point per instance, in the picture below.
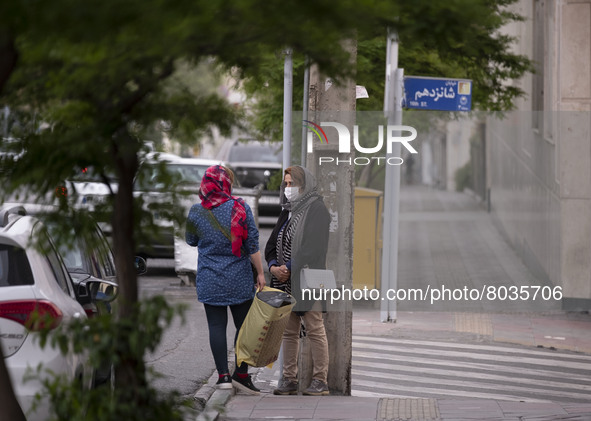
{"points": [[336, 103], [10, 406], [123, 241], [130, 373]]}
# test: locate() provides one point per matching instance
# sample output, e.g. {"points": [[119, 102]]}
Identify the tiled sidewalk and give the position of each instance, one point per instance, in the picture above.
{"points": [[560, 330], [445, 239], [341, 408], [524, 329]]}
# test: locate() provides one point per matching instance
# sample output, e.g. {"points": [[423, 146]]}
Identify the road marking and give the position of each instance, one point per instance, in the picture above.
{"points": [[389, 367]]}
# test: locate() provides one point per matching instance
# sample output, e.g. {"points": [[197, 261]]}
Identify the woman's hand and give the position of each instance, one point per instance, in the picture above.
{"points": [[282, 273], [261, 281]]}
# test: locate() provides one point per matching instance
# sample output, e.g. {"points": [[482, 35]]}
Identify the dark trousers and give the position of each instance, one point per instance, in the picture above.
{"points": [[217, 320]]}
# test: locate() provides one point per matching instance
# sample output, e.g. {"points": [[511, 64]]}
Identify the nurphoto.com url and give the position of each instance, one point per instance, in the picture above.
{"points": [[438, 294]]}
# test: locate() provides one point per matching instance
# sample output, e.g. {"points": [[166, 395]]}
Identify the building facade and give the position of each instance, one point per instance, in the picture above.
{"points": [[538, 158]]}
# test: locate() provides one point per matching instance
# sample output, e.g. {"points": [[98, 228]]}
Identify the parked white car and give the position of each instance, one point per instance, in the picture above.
{"points": [[33, 281], [189, 172], [182, 175]]}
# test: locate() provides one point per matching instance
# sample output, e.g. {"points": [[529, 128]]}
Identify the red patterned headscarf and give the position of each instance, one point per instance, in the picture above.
{"points": [[216, 189]]}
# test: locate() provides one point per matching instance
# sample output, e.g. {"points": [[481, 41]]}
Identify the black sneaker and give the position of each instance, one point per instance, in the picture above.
{"points": [[286, 387], [244, 385], [225, 382]]}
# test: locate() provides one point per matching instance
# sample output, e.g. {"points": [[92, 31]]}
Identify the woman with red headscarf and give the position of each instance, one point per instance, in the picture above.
{"points": [[223, 229]]}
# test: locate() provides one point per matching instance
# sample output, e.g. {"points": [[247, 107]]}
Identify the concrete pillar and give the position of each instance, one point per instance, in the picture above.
{"points": [[332, 102]]}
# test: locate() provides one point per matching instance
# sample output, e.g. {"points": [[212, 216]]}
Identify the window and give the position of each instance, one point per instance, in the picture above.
{"points": [[104, 257], [72, 258], [71, 253], [61, 276], [156, 178], [192, 174], [14, 267]]}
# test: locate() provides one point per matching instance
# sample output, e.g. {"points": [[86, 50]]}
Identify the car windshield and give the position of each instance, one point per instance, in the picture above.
{"points": [[255, 153], [192, 174], [14, 267], [71, 253], [151, 178], [73, 259]]}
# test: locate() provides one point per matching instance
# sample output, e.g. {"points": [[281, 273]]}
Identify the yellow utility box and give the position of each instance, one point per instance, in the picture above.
{"points": [[367, 238]]}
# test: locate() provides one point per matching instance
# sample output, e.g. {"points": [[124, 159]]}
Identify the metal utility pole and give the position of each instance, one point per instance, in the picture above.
{"points": [[287, 105], [393, 111], [305, 112], [287, 114]]}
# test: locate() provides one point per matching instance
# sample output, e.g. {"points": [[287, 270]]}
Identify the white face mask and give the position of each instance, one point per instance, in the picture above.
{"points": [[292, 193]]}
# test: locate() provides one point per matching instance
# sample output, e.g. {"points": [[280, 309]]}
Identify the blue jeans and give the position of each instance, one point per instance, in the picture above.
{"points": [[217, 321]]}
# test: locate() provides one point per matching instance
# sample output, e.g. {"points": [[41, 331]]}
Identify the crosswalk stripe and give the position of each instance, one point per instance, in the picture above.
{"points": [[514, 371], [529, 352], [386, 367], [364, 394], [372, 367], [475, 356], [467, 385], [421, 391]]}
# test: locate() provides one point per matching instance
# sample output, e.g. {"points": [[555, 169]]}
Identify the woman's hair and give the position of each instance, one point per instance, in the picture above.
{"points": [[230, 174], [298, 176]]}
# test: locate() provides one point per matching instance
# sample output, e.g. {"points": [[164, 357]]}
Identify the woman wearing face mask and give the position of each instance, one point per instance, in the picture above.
{"points": [[300, 239]]}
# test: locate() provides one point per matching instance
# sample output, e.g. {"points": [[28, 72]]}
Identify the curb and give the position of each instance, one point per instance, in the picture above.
{"points": [[203, 394], [212, 399]]}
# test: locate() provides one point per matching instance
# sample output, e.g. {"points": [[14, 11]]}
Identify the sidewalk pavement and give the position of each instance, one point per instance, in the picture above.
{"points": [[535, 330], [446, 239]]}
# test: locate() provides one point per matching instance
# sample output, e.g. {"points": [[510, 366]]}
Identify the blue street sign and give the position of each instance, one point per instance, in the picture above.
{"points": [[428, 93]]}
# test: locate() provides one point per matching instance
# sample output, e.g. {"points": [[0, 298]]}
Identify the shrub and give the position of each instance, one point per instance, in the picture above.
{"points": [[463, 177]]}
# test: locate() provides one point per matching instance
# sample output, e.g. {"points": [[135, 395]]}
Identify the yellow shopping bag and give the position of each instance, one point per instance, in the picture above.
{"points": [[259, 338]]}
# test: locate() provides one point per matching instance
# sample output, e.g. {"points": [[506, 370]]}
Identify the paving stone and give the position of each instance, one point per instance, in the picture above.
{"points": [[408, 409]]}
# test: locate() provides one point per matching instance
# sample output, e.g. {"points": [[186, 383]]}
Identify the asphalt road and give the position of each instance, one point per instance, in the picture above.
{"points": [[183, 359]]}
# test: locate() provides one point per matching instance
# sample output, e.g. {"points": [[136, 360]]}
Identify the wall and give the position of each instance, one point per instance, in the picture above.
{"points": [[539, 157]]}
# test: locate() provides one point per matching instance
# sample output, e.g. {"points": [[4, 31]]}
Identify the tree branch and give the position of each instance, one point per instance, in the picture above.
{"points": [[126, 105]]}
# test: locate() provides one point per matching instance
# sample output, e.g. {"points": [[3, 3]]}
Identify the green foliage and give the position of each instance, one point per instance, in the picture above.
{"points": [[463, 177], [463, 40], [91, 86], [106, 341], [266, 88], [275, 181], [455, 39]]}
